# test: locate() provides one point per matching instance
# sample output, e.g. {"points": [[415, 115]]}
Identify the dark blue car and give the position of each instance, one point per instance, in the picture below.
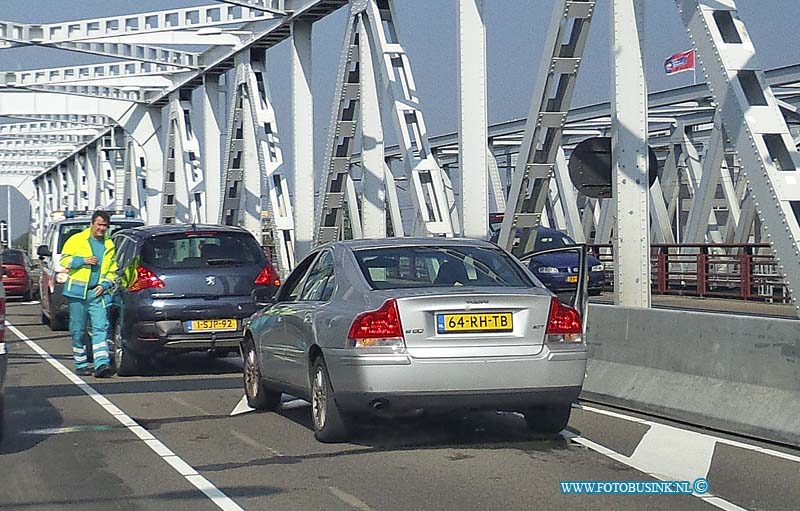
{"points": [[559, 272]]}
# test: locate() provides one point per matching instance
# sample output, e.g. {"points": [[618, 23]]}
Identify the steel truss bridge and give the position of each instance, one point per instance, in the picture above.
{"points": [[191, 136]]}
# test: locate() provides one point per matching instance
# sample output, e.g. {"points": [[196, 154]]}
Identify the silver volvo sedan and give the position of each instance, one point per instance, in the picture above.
{"points": [[397, 325]]}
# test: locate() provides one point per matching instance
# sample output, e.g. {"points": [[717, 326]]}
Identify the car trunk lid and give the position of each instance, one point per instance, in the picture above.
{"points": [[474, 323]]}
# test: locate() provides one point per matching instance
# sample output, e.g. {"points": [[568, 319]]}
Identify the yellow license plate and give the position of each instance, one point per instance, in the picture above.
{"points": [[465, 323], [211, 325], [572, 278]]}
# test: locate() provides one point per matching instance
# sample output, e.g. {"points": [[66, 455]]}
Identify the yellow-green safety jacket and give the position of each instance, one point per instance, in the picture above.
{"points": [[78, 246]]}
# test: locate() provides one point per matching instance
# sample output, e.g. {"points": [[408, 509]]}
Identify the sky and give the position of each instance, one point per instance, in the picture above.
{"points": [[428, 30]]}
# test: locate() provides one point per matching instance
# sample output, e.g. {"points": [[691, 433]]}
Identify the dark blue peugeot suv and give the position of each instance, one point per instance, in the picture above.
{"points": [[185, 288]]}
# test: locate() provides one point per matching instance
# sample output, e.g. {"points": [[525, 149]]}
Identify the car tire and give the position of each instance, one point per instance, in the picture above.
{"points": [[258, 395], [329, 422], [56, 323], [128, 364], [548, 419]]}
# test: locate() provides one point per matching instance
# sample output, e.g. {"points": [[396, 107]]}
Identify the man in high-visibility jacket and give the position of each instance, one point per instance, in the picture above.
{"points": [[90, 257]]}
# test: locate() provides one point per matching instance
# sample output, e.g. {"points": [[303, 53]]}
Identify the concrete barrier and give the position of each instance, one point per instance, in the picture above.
{"points": [[734, 373]]}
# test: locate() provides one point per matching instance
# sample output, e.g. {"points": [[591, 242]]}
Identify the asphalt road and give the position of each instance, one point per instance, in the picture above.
{"points": [[167, 441]]}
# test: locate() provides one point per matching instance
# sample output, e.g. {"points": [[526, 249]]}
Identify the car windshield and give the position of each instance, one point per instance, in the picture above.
{"points": [[546, 241], [201, 250], [67, 230], [13, 257], [427, 266]]}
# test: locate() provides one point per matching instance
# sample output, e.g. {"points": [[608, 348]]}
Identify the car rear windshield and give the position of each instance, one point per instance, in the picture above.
{"points": [[68, 230], [13, 257], [201, 250], [423, 266]]}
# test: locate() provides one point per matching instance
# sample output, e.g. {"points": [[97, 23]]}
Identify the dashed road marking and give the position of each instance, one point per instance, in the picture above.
{"points": [[216, 496], [348, 499]]}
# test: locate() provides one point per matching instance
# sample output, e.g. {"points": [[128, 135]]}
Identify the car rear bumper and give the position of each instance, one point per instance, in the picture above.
{"points": [[149, 337], [16, 286], [402, 382]]}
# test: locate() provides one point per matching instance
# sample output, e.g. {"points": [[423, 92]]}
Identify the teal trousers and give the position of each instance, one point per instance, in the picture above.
{"points": [[79, 312]]}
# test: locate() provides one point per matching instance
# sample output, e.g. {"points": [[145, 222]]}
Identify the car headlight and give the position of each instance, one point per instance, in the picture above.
{"points": [[547, 269], [597, 267]]}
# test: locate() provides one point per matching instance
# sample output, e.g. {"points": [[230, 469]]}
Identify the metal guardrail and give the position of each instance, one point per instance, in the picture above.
{"points": [[745, 271]]}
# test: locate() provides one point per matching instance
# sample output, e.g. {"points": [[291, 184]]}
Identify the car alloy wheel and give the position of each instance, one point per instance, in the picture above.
{"points": [[319, 398], [258, 395], [329, 422]]}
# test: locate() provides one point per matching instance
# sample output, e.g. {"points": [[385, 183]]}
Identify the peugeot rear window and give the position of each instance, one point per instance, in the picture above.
{"points": [[201, 250], [452, 266], [67, 230]]}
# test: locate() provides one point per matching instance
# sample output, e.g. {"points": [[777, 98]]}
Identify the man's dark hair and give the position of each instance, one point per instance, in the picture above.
{"points": [[101, 214]]}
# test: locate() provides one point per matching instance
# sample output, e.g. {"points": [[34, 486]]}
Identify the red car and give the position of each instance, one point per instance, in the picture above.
{"points": [[18, 278]]}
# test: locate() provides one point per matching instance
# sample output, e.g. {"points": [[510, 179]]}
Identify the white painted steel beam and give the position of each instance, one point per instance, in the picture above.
{"points": [[300, 56], [752, 118], [213, 117], [373, 198], [629, 156], [341, 135], [428, 181], [552, 95], [472, 120]]}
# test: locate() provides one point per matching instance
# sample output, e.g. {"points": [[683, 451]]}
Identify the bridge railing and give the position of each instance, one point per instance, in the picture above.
{"points": [[745, 271]]}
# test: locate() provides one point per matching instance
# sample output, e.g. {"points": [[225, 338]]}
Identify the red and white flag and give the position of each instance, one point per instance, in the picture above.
{"points": [[683, 61]]}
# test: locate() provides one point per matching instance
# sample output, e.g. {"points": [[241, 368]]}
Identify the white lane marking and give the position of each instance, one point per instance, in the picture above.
{"points": [[348, 499], [674, 454], [625, 460], [242, 407], [221, 500], [727, 441]]}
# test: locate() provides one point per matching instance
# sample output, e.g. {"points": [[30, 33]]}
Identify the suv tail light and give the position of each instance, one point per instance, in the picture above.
{"points": [[145, 279], [378, 328], [563, 324], [268, 276]]}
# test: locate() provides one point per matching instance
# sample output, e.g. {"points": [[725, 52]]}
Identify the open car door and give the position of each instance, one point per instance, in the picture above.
{"points": [[569, 279]]}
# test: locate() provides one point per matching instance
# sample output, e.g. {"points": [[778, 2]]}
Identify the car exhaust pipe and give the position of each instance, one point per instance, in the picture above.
{"points": [[379, 405]]}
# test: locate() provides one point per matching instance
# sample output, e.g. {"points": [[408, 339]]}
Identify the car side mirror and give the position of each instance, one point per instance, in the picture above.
{"points": [[43, 251], [264, 296]]}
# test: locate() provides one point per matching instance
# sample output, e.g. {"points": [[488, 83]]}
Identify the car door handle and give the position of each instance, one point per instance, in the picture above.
{"points": [[280, 319], [308, 318]]}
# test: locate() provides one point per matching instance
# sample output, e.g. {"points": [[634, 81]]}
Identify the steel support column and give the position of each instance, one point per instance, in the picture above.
{"points": [[303, 137], [629, 159], [472, 126]]}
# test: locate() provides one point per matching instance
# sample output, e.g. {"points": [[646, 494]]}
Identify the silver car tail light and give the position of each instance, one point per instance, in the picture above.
{"points": [[380, 328], [564, 324]]}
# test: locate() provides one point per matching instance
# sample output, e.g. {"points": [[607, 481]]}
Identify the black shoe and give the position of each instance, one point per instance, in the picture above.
{"points": [[104, 371], [83, 371]]}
